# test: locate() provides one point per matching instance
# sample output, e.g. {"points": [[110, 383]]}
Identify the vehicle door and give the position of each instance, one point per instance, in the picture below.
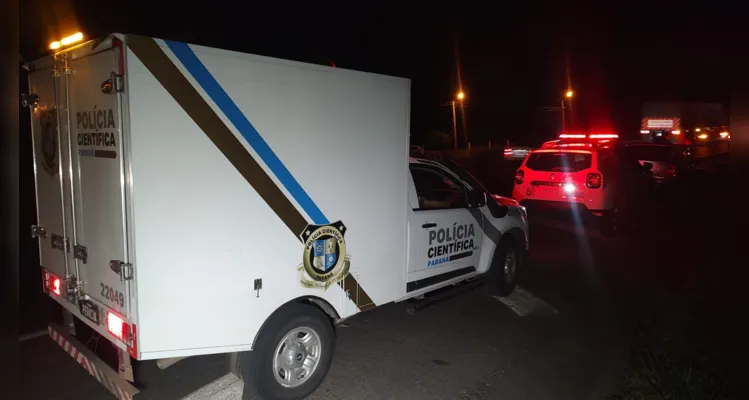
{"points": [[51, 165], [445, 237], [95, 99]]}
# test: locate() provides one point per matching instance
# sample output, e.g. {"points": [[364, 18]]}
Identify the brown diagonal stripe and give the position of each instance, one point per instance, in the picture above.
{"points": [[170, 77]]}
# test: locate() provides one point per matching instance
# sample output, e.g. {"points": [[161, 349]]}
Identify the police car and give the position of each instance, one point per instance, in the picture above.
{"points": [[577, 171]]}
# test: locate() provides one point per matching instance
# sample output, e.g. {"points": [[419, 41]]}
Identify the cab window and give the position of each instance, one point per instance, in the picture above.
{"points": [[437, 190]]}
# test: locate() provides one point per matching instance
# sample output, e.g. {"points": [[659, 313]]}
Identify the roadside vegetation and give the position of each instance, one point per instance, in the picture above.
{"points": [[678, 356]]}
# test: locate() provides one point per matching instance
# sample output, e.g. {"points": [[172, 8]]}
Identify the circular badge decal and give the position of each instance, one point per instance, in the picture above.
{"points": [[49, 145], [324, 259]]}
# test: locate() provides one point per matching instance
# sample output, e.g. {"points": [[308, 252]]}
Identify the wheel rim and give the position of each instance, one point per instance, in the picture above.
{"points": [[297, 357], [510, 265]]}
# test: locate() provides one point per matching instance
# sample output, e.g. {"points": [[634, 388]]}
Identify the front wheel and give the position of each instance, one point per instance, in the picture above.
{"points": [[292, 355], [508, 257]]}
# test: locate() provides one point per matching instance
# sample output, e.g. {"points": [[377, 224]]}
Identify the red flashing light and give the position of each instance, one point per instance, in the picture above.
{"points": [[590, 136]]}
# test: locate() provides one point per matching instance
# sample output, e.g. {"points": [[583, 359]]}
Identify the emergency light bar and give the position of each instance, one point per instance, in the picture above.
{"points": [[590, 136], [74, 38]]}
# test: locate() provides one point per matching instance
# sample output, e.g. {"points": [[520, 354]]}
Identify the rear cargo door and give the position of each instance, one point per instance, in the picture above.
{"points": [[94, 90], [51, 164]]}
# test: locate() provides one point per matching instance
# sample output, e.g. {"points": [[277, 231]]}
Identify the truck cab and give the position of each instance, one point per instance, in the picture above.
{"points": [[454, 228]]}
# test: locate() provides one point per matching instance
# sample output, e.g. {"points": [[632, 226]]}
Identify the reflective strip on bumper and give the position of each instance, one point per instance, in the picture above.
{"points": [[108, 377]]}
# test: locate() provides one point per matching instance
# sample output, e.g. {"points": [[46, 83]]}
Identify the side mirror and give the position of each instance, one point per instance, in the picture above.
{"points": [[648, 166], [497, 210]]}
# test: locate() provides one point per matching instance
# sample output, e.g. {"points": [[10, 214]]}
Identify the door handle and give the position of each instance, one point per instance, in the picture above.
{"points": [[429, 225]]}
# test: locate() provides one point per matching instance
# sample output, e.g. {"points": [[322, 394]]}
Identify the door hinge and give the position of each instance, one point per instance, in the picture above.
{"points": [[37, 231], [60, 243], [125, 270], [80, 252], [115, 83], [119, 82], [29, 100]]}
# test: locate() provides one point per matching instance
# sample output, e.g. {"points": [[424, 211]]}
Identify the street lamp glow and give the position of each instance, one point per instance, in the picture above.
{"points": [[568, 94], [461, 95]]}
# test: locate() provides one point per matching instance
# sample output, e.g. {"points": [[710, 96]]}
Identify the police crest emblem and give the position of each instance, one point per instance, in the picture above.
{"points": [[48, 139], [324, 261]]}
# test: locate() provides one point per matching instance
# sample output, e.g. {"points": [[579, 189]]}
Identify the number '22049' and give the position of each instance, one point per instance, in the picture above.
{"points": [[112, 295]]}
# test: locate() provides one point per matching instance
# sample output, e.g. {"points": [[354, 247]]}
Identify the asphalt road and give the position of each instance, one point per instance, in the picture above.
{"points": [[564, 335]]}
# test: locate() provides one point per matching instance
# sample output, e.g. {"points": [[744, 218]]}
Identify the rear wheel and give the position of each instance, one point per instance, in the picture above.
{"points": [[292, 355], [609, 223]]}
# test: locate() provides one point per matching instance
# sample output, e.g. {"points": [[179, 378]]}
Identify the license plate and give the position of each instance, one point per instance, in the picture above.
{"points": [[89, 310], [551, 191]]}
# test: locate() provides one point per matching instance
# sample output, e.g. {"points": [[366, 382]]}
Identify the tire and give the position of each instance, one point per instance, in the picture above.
{"points": [[257, 366], [501, 281], [609, 224]]}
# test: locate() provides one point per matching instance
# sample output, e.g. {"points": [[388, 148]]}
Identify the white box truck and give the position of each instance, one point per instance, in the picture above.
{"points": [[192, 200]]}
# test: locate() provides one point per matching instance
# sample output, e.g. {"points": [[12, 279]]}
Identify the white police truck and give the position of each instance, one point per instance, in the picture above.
{"points": [[193, 201]]}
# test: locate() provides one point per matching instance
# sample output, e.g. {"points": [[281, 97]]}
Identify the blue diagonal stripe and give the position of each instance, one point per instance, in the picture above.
{"points": [[219, 96]]}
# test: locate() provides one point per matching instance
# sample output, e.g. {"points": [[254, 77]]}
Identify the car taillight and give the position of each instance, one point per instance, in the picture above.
{"points": [[508, 151], [519, 176], [593, 181], [52, 284]]}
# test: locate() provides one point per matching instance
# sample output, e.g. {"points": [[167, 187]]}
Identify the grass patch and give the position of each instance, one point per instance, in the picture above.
{"points": [[675, 358]]}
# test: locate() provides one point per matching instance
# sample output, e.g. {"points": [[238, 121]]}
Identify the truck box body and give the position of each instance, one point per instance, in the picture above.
{"points": [[202, 176]]}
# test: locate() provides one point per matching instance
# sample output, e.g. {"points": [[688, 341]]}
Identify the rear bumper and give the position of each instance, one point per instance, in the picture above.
{"points": [[97, 368], [561, 208]]}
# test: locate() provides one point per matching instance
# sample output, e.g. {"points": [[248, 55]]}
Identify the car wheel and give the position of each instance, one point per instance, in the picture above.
{"points": [[508, 258], [609, 224], [292, 355]]}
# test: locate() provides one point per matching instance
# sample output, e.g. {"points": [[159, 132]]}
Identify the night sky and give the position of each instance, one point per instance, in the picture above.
{"points": [[511, 54]]}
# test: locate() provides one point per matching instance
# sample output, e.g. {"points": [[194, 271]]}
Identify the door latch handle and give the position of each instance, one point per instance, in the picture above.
{"points": [[429, 225]]}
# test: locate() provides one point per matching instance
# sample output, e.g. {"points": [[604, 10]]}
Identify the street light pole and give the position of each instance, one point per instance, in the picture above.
{"points": [[564, 122], [460, 97], [455, 128], [568, 94]]}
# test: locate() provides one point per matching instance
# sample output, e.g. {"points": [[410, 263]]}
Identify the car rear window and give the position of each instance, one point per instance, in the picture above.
{"points": [[651, 153], [559, 161]]}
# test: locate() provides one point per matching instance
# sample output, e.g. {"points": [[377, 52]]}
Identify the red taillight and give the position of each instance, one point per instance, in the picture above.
{"points": [[508, 151], [124, 332], [52, 284], [593, 181], [519, 176], [118, 327]]}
